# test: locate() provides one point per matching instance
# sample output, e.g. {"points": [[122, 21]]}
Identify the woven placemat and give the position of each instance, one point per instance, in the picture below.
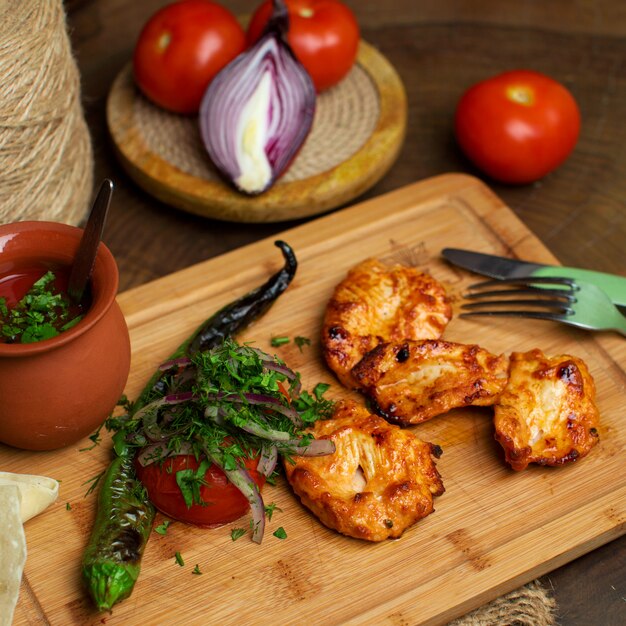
{"points": [[345, 117], [530, 605], [357, 133]]}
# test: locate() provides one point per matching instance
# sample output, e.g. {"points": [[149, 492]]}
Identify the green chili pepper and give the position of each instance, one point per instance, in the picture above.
{"points": [[112, 559]]}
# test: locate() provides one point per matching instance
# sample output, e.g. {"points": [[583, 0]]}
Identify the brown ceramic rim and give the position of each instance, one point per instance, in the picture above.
{"points": [[105, 282]]}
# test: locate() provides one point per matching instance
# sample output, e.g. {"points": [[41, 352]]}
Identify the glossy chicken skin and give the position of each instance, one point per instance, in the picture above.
{"points": [[380, 480], [377, 303], [547, 412], [412, 381]]}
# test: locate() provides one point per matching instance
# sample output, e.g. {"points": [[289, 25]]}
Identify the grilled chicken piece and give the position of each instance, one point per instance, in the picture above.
{"points": [[546, 414], [412, 381], [377, 303], [380, 480]]}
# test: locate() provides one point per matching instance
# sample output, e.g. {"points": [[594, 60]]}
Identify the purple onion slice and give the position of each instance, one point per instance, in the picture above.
{"points": [[152, 453], [257, 112], [268, 460], [264, 433], [182, 361], [241, 479], [316, 447]]}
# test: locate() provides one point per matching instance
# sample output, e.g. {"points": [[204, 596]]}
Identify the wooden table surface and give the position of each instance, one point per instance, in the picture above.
{"points": [[439, 48]]}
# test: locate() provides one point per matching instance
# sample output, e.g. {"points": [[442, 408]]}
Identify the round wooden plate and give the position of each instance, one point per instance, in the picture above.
{"points": [[357, 133]]}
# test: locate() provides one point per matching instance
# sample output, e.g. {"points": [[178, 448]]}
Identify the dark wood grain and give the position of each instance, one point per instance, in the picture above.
{"points": [[439, 47]]}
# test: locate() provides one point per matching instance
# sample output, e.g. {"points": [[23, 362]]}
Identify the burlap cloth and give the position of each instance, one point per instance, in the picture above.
{"points": [[530, 605], [46, 160]]}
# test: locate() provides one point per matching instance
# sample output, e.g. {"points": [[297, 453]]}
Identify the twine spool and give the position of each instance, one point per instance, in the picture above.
{"points": [[46, 162]]}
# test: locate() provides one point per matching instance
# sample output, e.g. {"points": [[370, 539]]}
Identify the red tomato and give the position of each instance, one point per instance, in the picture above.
{"points": [[181, 48], [225, 501], [517, 126], [324, 35]]}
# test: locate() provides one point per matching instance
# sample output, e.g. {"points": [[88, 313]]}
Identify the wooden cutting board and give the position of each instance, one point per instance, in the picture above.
{"points": [[493, 529]]}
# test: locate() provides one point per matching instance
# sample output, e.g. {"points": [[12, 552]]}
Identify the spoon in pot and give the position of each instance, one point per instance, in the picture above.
{"points": [[89, 242]]}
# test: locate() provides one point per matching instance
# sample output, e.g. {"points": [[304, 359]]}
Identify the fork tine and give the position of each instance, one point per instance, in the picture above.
{"points": [[537, 315], [528, 280], [565, 294], [546, 304]]}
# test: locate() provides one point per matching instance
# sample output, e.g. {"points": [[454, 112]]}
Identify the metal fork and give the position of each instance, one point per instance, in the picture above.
{"points": [[557, 299]]}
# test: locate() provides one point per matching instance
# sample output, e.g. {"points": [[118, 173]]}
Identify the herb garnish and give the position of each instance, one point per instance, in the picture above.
{"points": [[219, 414], [279, 341], [40, 314], [269, 510], [302, 341], [190, 481], [162, 528], [280, 533], [223, 406], [236, 533], [179, 559], [196, 570], [94, 482]]}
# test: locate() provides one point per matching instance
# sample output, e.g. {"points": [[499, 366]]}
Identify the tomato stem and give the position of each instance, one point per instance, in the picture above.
{"points": [[521, 95], [164, 41]]}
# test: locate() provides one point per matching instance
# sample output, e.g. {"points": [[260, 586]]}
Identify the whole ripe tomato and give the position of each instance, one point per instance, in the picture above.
{"points": [[323, 34], [181, 48], [517, 126], [225, 503]]}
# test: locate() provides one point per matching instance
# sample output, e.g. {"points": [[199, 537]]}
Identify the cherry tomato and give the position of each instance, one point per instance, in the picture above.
{"points": [[517, 126], [225, 503], [181, 48], [323, 34]]}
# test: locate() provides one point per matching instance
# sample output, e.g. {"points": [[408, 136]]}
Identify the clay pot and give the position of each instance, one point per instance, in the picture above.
{"points": [[57, 391]]}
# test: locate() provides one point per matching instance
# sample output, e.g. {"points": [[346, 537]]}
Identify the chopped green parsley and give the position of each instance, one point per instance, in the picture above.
{"points": [[279, 341], [40, 314], [280, 533], [269, 510], [302, 341], [162, 528]]}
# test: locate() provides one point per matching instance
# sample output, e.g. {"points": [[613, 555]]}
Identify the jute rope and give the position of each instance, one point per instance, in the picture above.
{"points": [[46, 162], [530, 605]]}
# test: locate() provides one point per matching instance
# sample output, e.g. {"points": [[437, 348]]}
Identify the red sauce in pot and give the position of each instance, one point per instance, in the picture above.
{"points": [[16, 282]]}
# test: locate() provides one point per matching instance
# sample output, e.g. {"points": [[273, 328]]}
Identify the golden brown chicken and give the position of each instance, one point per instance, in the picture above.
{"points": [[380, 480], [546, 414], [412, 381], [377, 303]]}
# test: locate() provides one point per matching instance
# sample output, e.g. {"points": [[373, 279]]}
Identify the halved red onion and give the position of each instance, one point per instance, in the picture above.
{"points": [[257, 112]]}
